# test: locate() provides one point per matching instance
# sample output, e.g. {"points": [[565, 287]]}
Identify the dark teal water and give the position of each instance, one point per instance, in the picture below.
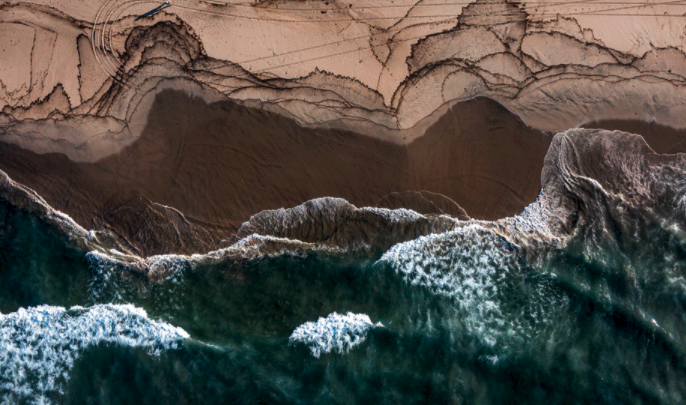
{"points": [[456, 318]]}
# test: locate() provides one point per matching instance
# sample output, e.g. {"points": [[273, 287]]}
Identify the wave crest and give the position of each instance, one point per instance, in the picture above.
{"points": [[337, 333], [40, 345]]}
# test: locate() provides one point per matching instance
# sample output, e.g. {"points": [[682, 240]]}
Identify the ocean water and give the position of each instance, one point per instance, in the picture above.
{"points": [[462, 317]]}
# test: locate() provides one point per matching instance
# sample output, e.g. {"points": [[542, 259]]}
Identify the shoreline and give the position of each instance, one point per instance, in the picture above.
{"points": [[200, 170], [662, 139], [596, 157], [218, 164]]}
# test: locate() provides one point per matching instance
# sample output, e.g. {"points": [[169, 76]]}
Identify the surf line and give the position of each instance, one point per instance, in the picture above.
{"points": [[155, 10]]}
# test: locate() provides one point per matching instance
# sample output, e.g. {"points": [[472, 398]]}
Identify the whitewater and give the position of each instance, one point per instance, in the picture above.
{"points": [[579, 299]]}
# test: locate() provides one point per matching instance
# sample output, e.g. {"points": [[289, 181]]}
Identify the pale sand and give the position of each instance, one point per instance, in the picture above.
{"points": [[277, 102], [556, 66]]}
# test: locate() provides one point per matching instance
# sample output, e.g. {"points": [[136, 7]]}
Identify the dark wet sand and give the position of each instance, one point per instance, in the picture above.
{"points": [[218, 164], [661, 138]]}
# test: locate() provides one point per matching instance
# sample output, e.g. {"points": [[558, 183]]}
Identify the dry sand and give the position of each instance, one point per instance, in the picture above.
{"points": [[556, 65], [172, 130]]}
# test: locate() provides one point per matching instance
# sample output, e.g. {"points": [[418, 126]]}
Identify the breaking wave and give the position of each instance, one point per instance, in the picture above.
{"points": [[483, 275], [40, 345], [580, 299], [335, 333]]}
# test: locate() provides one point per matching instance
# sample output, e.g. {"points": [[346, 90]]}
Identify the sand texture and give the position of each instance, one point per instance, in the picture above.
{"points": [[348, 65], [589, 179], [218, 164], [171, 131]]}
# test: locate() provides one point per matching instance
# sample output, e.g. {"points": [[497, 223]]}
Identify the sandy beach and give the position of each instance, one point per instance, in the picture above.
{"points": [[343, 202], [218, 164], [172, 130]]}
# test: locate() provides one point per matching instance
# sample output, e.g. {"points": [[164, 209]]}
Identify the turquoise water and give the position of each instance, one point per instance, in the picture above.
{"points": [[462, 317]]}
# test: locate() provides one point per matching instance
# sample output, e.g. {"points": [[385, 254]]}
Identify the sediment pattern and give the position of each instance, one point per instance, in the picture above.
{"points": [[200, 170], [216, 184], [549, 69], [135, 151]]}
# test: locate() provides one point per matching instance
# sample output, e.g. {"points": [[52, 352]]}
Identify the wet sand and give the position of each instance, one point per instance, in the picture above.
{"points": [[200, 170], [661, 138]]}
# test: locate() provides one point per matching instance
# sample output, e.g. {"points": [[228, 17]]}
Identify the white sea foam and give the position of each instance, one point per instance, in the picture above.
{"points": [[252, 247], [105, 269], [480, 271], [679, 198], [455, 263], [396, 215], [38, 346], [337, 333]]}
